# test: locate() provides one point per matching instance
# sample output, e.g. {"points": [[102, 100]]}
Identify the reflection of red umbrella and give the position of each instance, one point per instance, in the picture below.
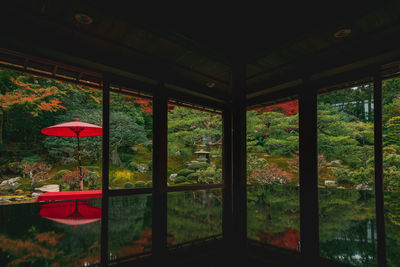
{"points": [[74, 129], [71, 213]]}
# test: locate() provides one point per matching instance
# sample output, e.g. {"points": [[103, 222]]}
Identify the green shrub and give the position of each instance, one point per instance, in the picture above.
{"points": [[193, 176], [185, 172], [343, 176], [149, 146], [140, 184], [122, 176], [128, 185], [180, 179], [199, 166], [149, 184], [31, 159], [125, 158]]}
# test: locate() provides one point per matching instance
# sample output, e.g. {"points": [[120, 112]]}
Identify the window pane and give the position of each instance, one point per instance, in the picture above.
{"points": [[347, 228], [129, 232], [131, 130], [391, 167], [63, 233], [194, 146], [273, 207], [193, 215], [41, 164]]}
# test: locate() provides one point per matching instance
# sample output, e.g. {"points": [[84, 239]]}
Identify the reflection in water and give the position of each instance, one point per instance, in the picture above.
{"points": [[27, 238], [70, 213], [193, 215], [347, 222], [273, 215], [347, 226]]}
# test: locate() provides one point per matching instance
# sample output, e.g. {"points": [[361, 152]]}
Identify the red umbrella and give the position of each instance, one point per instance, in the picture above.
{"points": [[74, 129], [71, 213]]}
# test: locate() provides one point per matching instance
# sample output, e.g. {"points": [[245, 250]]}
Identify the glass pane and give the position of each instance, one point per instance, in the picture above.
{"points": [[50, 150], [347, 228], [63, 233], [131, 130], [39, 154], [391, 167], [273, 207], [130, 221], [193, 215], [194, 146]]}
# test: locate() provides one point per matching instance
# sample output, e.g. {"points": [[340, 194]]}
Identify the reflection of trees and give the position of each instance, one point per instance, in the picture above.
{"points": [[392, 225], [194, 215], [272, 209], [129, 223], [347, 225]]}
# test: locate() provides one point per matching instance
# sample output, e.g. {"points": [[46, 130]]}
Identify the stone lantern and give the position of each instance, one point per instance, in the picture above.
{"points": [[203, 156]]}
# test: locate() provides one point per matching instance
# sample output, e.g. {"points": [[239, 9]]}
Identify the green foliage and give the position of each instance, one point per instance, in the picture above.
{"points": [[128, 185], [140, 184], [180, 179], [185, 172], [393, 131], [198, 166], [272, 132], [193, 176], [211, 175], [31, 159], [342, 137], [343, 177], [124, 132], [188, 128]]}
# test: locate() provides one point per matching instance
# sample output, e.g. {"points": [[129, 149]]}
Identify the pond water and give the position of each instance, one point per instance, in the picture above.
{"points": [[33, 235], [68, 233], [347, 226]]}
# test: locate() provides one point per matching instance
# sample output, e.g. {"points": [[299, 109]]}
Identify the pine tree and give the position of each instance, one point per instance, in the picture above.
{"points": [[393, 128]]}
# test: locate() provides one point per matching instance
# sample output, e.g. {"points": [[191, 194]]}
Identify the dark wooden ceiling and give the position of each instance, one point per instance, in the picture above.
{"points": [[194, 47]]}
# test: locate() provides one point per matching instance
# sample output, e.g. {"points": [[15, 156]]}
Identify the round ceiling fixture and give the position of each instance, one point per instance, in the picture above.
{"points": [[342, 33], [83, 18], [210, 84]]}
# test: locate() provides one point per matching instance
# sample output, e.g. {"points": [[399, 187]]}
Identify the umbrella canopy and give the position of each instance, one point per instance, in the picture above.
{"points": [[70, 213], [73, 129]]}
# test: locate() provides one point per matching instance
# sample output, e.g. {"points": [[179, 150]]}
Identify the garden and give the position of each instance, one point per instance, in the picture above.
{"points": [[32, 164]]}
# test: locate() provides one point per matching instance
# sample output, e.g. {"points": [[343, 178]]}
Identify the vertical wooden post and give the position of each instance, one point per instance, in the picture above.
{"points": [[227, 175], [105, 173], [308, 152], [159, 212], [239, 156], [379, 194]]}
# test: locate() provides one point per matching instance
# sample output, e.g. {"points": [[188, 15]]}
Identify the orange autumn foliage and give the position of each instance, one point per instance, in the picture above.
{"points": [[50, 238], [146, 104], [41, 99]]}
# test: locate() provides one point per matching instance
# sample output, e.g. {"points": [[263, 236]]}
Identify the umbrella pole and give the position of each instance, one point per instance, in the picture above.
{"points": [[80, 163]]}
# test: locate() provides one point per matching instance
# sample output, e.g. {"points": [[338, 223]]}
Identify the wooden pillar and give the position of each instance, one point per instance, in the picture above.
{"points": [[105, 173], [227, 175], [239, 157], [159, 200], [309, 230], [379, 195]]}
